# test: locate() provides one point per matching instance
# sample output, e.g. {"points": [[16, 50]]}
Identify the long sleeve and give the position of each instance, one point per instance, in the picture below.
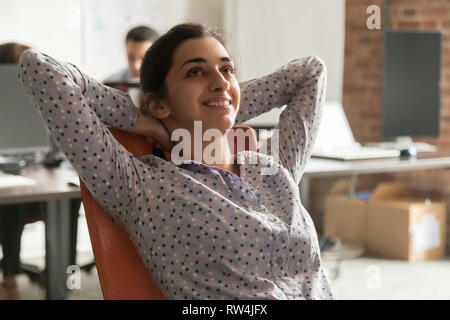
{"points": [[76, 110], [201, 231], [301, 85]]}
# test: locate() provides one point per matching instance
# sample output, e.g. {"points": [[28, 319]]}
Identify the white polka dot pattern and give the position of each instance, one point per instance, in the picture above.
{"points": [[202, 232]]}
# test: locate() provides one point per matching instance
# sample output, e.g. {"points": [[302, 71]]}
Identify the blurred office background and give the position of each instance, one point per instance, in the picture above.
{"points": [[263, 35]]}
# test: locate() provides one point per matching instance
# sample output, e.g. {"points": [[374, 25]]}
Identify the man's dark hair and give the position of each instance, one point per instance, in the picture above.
{"points": [[141, 34], [158, 58], [10, 52]]}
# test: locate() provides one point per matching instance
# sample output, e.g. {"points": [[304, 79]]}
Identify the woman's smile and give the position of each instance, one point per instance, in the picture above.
{"points": [[219, 103]]}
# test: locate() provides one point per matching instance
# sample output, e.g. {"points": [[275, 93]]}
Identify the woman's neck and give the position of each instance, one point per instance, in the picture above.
{"points": [[218, 154], [214, 152]]}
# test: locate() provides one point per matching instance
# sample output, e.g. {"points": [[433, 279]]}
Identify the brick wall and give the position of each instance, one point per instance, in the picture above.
{"points": [[363, 64], [363, 78]]}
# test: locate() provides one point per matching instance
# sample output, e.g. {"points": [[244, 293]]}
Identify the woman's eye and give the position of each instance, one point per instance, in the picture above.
{"points": [[194, 73], [228, 70]]}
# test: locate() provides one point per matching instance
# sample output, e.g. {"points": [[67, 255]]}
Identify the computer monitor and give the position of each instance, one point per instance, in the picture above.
{"points": [[22, 130], [411, 93]]}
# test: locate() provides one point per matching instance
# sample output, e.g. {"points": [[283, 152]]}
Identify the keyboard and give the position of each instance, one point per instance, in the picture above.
{"points": [[355, 153], [11, 180], [419, 146]]}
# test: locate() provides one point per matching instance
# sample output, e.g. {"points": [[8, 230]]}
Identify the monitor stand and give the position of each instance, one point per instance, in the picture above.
{"points": [[52, 160], [11, 165]]}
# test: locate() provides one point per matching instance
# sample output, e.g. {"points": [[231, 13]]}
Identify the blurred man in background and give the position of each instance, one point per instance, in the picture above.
{"points": [[137, 41]]}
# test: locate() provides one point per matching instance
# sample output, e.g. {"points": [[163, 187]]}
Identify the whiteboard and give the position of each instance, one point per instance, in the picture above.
{"points": [[105, 25]]}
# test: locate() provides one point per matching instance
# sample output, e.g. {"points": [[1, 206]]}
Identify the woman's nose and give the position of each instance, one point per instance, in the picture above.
{"points": [[218, 82]]}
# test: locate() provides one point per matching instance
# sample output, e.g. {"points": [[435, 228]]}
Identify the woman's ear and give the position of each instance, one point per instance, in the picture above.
{"points": [[155, 107]]}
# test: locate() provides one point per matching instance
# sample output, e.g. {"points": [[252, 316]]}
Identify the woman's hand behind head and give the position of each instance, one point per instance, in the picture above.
{"points": [[154, 130]]}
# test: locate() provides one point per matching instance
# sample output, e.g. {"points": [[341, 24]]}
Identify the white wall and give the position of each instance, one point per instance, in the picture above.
{"points": [[48, 25], [267, 33], [58, 27], [210, 12], [270, 33]]}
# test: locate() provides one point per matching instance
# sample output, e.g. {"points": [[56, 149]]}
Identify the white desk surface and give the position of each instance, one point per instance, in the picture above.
{"points": [[51, 184], [318, 167]]}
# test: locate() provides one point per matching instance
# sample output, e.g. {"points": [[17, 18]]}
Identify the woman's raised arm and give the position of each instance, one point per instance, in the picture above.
{"points": [[301, 85], [76, 109]]}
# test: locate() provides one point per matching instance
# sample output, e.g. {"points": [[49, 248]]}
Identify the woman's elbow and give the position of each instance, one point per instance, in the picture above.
{"points": [[27, 56], [318, 64]]}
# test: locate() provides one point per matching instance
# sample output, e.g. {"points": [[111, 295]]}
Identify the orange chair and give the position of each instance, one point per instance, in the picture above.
{"points": [[121, 270]]}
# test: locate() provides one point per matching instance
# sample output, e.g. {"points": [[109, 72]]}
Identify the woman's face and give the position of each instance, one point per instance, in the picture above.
{"points": [[201, 85]]}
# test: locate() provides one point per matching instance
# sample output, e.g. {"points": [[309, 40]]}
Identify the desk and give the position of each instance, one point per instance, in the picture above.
{"points": [[51, 187], [318, 167]]}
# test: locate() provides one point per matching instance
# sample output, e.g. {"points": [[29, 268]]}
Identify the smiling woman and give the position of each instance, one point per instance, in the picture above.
{"points": [[203, 231], [188, 76], [202, 88]]}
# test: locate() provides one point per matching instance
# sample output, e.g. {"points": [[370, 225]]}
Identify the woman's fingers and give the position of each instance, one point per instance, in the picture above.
{"points": [[155, 132], [156, 143], [167, 145]]}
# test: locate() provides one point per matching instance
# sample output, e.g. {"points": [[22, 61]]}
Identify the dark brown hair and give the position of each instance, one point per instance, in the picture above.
{"points": [[158, 59], [10, 52], [141, 34]]}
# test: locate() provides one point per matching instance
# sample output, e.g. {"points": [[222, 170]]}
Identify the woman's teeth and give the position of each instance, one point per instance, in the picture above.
{"points": [[218, 104]]}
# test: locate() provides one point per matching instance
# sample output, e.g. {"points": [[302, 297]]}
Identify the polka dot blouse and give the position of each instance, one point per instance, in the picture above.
{"points": [[202, 232]]}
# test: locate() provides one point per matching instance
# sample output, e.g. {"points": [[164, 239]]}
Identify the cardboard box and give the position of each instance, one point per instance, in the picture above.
{"points": [[401, 225], [393, 223], [346, 218]]}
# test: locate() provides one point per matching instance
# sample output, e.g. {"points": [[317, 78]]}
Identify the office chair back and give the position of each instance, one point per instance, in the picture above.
{"points": [[120, 269]]}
